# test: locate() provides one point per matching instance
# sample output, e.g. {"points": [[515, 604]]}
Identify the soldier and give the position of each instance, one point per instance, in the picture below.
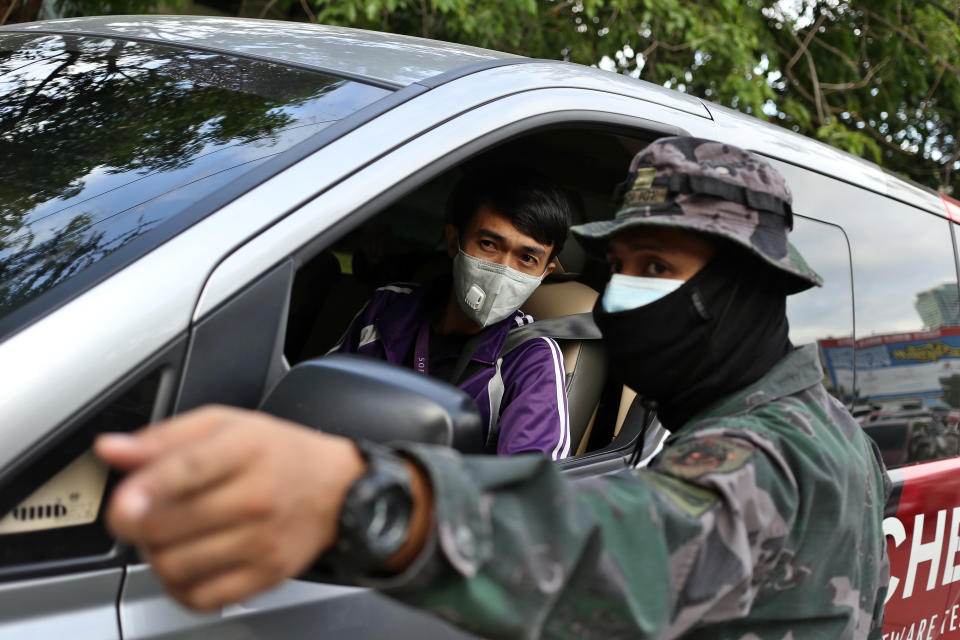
{"points": [[760, 518]]}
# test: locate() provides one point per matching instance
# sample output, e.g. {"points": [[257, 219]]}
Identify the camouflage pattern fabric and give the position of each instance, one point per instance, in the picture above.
{"points": [[713, 188], [760, 519]]}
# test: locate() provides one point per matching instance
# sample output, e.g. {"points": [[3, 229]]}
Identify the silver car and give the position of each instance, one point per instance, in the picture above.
{"points": [[190, 206]]}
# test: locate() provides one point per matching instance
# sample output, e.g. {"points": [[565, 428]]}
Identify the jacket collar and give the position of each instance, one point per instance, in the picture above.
{"points": [[797, 371], [400, 322]]}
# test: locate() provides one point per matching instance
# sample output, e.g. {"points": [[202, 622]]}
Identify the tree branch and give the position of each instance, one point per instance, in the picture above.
{"points": [[804, 50], [657, 44], [308, 11], [843, 86], [267, 8], [909, 36], [560, 7], [952, 15], [6, 14], [798, 86], [936, 84], [613, 18], [686, 45], [71, 58], [837, 52], [806, 41], [816, 86]]}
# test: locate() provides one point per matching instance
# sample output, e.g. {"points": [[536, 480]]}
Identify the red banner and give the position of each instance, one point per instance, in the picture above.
{"points": [[924, 544], [892, 338]]}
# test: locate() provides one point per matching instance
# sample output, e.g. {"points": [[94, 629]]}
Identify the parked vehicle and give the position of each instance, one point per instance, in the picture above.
{"points": [[860, 412], [190, 205]]}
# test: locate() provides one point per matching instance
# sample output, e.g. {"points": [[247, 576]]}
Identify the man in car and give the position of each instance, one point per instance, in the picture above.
{"points": [[760, 518], [504, 227]]}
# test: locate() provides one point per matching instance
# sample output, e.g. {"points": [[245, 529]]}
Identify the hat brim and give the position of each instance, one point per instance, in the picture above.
{"points": [[594, 238]]}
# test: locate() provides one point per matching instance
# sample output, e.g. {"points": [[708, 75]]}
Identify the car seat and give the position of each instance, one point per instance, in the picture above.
{"points": [[585, 361]]}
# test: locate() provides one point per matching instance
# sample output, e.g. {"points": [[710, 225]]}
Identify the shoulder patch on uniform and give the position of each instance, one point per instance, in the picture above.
{"points": [[691, 499], [701, 456]]}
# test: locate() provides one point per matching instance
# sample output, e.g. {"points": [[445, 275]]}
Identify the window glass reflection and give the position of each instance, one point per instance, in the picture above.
{"points": [[908, 344], [906, 391], [103, 140], [824, 315]]}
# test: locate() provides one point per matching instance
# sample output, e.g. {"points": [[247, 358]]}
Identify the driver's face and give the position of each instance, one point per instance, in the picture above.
{"points": [[492, 237], [659, 252]]}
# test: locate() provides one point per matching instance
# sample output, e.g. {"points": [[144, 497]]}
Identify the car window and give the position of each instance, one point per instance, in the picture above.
{"points": [[906, 339], [908, 344], [404, 242], [105, 141], [824, 315]]}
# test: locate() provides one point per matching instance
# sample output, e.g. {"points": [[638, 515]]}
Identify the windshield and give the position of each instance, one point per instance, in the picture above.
{"points": [[104, 141]]}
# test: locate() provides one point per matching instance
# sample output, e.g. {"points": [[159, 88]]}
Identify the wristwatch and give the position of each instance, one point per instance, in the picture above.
{"points": [[375, 517]]}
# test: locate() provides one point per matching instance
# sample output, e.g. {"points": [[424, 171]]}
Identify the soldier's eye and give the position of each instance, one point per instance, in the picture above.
{"points": [[656, 269]]}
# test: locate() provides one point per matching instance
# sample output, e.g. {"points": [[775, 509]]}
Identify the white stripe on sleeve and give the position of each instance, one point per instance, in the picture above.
{"points": [[562, 450]]}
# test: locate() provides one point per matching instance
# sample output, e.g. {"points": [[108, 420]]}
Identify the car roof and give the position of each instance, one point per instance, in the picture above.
{"points": [[387, 58]]}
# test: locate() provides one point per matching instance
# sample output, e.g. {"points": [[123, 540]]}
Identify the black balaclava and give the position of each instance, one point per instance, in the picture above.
{"points": [[719, 332]]}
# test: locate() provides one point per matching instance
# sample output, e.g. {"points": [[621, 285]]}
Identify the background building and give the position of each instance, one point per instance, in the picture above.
{"points": [[940, 306]]}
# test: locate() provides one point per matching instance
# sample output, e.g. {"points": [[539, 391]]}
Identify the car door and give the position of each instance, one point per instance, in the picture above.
{"points": [[235, 350], [60, 570], [900, 360]]}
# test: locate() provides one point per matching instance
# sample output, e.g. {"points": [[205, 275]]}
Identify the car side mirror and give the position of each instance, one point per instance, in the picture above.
{"points": [[365, 398]]}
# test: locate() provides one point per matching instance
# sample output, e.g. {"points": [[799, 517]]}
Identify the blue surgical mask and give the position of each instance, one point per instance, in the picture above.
{"points": [[630, 292]]}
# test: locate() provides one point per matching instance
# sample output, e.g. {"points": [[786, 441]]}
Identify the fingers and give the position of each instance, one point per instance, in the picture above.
{"points": [[128, 451], [222, 589], [202, 513], [171, 478], [183, 566]]}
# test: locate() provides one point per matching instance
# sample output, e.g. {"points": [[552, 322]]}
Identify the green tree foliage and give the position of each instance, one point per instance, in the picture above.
{"points": [[881, 79], [877, 78]]}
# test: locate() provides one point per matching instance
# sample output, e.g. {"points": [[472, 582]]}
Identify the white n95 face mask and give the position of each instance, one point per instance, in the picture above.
{"points": [[630, 292], [489, 292]]}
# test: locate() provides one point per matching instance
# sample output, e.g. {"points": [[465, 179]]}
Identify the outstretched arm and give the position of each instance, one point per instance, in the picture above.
{"points": [[227, 502], [642, 554]]}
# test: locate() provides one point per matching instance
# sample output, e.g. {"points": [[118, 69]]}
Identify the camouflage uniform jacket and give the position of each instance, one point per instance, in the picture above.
{"points": [[760, 519]]}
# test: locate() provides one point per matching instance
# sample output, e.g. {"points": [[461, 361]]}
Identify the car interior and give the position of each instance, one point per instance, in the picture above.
{"points": [[403, 242], [400, 242]]}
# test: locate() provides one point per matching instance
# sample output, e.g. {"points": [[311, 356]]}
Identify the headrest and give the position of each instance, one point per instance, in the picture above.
{"points": [[554, 299]]}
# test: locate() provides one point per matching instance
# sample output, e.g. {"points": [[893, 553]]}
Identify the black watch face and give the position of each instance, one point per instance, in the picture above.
{"points": [[387, 519]]}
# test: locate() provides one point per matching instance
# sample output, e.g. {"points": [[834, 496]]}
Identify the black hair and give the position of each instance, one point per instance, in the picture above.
{"points": [[532, 203]]}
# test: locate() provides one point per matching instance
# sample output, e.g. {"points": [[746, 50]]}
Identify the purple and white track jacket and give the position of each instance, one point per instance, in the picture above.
{"points": [[524, 392]]}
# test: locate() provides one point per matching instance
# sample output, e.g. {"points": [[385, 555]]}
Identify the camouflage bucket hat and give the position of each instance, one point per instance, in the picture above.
{"points": [[713, 188]]}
